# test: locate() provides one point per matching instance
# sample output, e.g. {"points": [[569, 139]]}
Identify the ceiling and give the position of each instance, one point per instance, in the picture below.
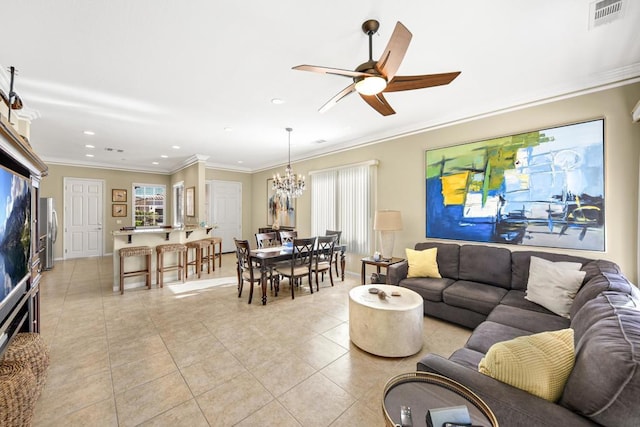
{"points": [[147, 75]]}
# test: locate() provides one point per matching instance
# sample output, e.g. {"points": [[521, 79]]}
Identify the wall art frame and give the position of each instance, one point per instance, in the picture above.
{"points": [[119, 210], [542, 188], [280, 210], [190, 201], [118, 195]]}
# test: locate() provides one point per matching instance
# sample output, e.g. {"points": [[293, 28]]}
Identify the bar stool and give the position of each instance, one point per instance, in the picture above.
{"points": [[181, 251], [199, 257], [215, 241], [144, 251]]}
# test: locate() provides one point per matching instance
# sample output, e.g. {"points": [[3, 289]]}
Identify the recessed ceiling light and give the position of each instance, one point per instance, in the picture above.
{"points": [[164, 156], [89, 155], [155, 163], [277, 101], [240, 161], [228, 129], [89, 132], [90, 146], [175, 147]]}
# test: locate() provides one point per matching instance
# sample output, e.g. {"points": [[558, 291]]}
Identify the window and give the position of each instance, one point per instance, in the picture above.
{"points": [[178, 204], [148, 205], [342, 199]]}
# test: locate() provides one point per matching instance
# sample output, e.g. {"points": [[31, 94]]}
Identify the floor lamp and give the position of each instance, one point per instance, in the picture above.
{"points": [[387, 222]]}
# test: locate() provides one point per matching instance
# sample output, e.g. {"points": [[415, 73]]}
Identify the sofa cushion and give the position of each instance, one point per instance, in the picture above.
{"points": [[528, 320], [539, 364], [488, 333], [485, 264], [554, 285], [473, 296], [423, 263], [605, 281], [447, 258], [605, 382], [515, 298], [520, 265], [429, 288], [467, 357]]}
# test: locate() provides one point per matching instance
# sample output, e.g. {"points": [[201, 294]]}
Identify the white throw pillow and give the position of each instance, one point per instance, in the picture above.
{"points": [[554, 285]]}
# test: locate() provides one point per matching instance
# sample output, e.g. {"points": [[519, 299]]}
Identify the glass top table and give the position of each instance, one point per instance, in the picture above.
{"points": [[422, 391]]}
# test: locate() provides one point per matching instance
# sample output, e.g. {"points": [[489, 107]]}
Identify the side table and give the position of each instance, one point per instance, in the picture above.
{"points": [[391, 327], [422, 391], [380, 263]]}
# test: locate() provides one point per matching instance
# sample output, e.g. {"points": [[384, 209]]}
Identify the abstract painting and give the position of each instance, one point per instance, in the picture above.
{"points": [[280, 210], [541, 188]]}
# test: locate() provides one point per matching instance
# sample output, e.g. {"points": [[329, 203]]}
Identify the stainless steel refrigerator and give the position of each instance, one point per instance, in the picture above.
{"points": [[48, 231]]}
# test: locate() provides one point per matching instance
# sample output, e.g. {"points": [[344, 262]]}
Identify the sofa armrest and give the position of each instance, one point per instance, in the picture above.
{"points": [[510, 405], [396, 272]]}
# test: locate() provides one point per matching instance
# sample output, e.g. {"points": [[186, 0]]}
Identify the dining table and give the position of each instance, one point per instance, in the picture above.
{"points": [[267, 257]]}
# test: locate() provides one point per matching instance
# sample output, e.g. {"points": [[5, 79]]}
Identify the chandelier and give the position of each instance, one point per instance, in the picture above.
{"points": [[288, 186]]}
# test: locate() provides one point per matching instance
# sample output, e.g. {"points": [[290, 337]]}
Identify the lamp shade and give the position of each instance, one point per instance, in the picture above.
{"points": [[387, 220]]}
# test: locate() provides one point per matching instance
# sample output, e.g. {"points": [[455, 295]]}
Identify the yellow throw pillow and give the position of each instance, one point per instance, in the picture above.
{"points": [[423, 263], [539, 364]]}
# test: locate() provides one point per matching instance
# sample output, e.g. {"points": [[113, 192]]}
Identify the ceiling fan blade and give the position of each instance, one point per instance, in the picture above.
{"points": [[419, 82], [378, 103], [393, 54], [327, 70], [333, 101]]}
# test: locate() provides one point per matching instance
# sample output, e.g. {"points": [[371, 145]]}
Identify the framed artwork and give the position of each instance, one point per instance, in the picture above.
{"points": [[541, 188], [280, 209], [190, 201], [118, 195], [118, 209]]}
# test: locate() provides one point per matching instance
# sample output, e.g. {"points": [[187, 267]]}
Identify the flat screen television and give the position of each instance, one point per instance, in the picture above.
{"points": [[15, 237]]}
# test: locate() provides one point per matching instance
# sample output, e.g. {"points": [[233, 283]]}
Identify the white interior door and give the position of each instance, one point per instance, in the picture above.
{"points": [[226, 211], [83, 231]]}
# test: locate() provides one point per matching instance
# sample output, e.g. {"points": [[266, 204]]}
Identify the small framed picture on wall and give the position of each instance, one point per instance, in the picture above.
{"points": [[118, 209], [190, 201], [118, 195]]}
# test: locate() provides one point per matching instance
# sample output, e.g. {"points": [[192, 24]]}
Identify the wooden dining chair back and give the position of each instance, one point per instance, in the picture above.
{"points": [[302, 257], [267, 240], [336, 255], [288, 236], [245, 269], [324, 257]]}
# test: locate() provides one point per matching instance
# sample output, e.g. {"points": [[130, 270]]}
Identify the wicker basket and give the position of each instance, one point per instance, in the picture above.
{"points": [[17, 394], [29, 348]]}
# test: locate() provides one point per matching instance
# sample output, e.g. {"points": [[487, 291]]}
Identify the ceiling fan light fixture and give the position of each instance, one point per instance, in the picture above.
{"points": [[371, 85]]}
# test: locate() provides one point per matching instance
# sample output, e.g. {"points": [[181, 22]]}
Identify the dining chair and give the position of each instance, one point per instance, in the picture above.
{"points": [[266, 240], [287, 236], [300, 264], [336, 255], [323, 257], [246, 270]]}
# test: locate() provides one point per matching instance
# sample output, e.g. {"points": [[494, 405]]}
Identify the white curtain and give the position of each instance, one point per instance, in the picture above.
{"points": [[323, 202], [342, 199]]}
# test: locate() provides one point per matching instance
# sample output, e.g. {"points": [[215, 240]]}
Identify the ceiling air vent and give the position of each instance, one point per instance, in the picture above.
{"points": [[604, 11]]}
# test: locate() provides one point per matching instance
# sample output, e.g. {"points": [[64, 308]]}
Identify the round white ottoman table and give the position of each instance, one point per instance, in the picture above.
{"points": [[390, 327]]}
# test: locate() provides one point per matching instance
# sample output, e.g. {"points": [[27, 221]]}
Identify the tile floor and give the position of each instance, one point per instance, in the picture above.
{"points": [[207, 358]]}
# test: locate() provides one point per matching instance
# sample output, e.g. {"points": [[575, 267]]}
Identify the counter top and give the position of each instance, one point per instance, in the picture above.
{"points": [[158, 230]]}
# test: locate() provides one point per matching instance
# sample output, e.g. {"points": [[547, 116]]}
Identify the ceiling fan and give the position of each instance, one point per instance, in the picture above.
{"points": [[372, 78]]}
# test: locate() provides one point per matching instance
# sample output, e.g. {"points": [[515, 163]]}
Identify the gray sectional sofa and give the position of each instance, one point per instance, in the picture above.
{"points": [[483, 288]]}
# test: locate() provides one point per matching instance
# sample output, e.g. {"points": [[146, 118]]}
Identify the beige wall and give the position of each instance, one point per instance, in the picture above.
{"points": [[53, 186], [401, 173], [401, 182]]}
